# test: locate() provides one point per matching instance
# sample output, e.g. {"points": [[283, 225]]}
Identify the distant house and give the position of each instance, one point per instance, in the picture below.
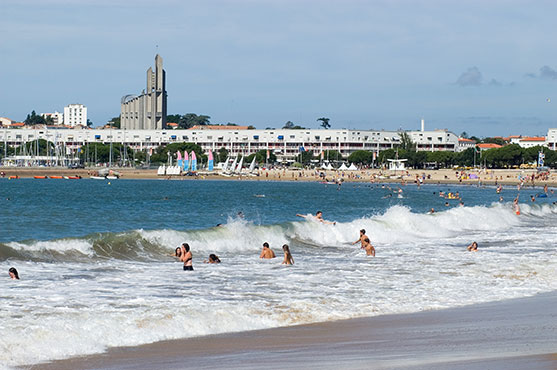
{"points": [[487, 146], [5, 121], [530, 142], [172, 125], [464, 144], [17, 125]]}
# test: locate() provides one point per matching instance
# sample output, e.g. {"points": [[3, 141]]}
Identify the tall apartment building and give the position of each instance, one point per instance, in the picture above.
{"points": [[75, 114], [148, 110]]}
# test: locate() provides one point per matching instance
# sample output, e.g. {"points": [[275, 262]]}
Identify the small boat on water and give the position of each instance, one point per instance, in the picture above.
{"points": [[72, 177], [40, 177], [97, 177], [13, 177], [56, 177], [111, 177]]}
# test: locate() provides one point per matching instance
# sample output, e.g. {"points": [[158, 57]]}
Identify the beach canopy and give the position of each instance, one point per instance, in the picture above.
{"points": [[343, 167], [352, 167]]}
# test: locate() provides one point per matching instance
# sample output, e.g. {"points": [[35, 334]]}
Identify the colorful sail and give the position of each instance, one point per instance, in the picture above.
{"points": [[186, 161], [193, 162], [179, 159], [210, 161]]}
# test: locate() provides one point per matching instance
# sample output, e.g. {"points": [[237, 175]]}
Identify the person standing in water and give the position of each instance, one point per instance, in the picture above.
{"points": [[288, 259], [370, 249], [184, 255], [267, 252], [361, 238]]}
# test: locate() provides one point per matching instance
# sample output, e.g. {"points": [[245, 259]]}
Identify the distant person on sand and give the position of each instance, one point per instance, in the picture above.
{"points": [[13, 273], [288, 259], [213, 258], [473, 247], [267, 252], [184, 255], [318, 216], [361, 238], [370, 249]]}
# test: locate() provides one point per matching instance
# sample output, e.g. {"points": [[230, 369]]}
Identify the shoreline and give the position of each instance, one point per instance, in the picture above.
{"points": [[512, 334], [441, 177]]}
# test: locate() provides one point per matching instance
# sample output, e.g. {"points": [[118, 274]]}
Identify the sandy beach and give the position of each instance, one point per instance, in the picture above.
{"points": [[442, 176], [514, 334]]}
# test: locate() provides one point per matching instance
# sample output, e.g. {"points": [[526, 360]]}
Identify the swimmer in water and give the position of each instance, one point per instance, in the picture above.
{"points": [[361, 239], [318, 216], [14, 275], [370, 249], [473, 247], [213, 258], [267, 252], [431, 211], [288, 259]]}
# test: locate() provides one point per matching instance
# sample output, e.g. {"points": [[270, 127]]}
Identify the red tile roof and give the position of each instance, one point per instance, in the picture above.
{"points": [[488, 146], [215, 127], [533, 139]]}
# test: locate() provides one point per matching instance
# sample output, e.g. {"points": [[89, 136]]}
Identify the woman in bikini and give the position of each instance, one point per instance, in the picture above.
{"points": [[288, 259]]}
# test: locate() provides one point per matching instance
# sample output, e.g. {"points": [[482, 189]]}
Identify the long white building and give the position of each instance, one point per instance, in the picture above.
{"points": [[285, 144]]}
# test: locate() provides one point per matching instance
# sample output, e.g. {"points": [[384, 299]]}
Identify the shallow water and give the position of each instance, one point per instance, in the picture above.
{"points": [[95, 269]]}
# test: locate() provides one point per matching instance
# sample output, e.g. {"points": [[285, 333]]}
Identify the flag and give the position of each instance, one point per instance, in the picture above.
{"points": [[541, 158], [210, 161], [374, 155], [268, 154], [322, 155], [302, 149]]}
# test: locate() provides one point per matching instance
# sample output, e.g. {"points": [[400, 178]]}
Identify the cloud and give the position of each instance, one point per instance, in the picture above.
{"points": [[548, 73], [494, 82], [472, 77]]}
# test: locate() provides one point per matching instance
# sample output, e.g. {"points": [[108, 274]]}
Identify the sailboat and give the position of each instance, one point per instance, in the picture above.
{"points": [[252, 168], [239, 168], [232, 168]]}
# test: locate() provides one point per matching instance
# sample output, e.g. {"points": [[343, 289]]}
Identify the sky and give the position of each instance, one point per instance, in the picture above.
{"points": [[487, 68]]}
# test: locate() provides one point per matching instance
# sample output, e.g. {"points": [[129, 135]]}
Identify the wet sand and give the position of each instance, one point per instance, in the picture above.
{"points": [[513, 334], [443, 176]]}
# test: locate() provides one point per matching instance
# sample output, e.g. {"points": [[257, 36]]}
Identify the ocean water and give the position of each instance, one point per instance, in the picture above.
{"points": [[95, 269]]}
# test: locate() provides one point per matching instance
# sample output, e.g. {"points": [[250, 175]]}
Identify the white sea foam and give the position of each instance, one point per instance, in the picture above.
{"points": [[84, 306]]}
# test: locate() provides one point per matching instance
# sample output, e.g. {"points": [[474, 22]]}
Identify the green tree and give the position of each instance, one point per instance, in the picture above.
{"points": [[494, 140], [288, 125], [100, 153], [45, 147], [175, 118], [361, 156], [191, 119], [464, 135], [114, 122], [324, 122], [332, 155], [443, 158], [406, 142], [222, 154], [260, 157], [34, 119]]}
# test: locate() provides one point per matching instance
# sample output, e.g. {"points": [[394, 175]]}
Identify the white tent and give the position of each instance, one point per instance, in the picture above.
{"points": [[397, 164], [329, 166], [343, 167], [352, 168]]}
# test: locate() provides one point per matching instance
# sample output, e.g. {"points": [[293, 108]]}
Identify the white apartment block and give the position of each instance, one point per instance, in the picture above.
{"points": [[57, 117], [464, 144], [285, 144], [75, 114], [4, 121]]}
